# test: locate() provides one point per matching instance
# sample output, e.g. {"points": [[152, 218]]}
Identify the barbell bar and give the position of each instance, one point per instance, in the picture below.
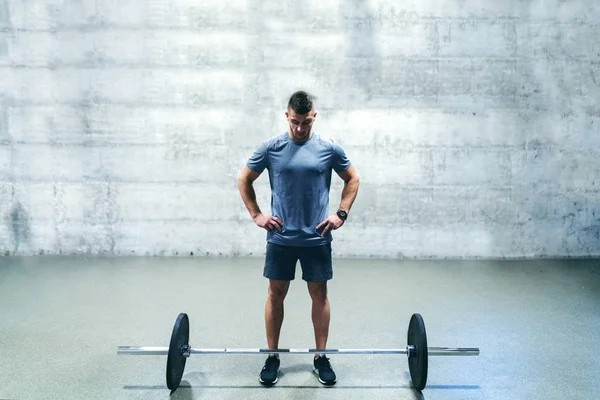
{"points": [[179, 350], [163, 351]]}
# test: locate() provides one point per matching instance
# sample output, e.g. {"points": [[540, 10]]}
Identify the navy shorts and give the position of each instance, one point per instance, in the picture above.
{"points": [[280, 262]]}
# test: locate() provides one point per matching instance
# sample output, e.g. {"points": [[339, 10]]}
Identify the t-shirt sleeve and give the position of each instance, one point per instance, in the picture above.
{"points": [[340, 161], [259, 160]]}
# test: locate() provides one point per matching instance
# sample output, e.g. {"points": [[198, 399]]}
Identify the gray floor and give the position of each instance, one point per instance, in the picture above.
{"points": [[537, 324]]}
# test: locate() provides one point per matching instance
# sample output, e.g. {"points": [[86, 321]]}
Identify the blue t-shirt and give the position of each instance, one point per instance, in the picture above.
{"points": [[300, 179]]}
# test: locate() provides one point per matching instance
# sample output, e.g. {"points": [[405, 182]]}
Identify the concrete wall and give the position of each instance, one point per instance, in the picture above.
{"points": [[474, 124]]}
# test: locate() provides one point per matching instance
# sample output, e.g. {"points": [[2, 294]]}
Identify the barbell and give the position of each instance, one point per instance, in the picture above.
{"points": [[179, 350]]}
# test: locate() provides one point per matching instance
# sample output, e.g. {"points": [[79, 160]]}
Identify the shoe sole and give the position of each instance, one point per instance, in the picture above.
{"points": [[322, 382], [267, 383]]}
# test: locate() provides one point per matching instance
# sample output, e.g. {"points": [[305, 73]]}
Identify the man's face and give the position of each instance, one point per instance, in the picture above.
{"points": [[300, 124]]}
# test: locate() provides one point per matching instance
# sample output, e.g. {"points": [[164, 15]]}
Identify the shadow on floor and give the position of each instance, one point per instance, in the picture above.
{"points": [[182, 393]]}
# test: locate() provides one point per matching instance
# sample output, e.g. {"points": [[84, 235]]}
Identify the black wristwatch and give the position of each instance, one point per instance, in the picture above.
{"points": [[342, 214]]}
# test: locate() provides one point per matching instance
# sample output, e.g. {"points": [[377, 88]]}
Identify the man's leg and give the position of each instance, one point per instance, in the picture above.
{"points": [[280, 265], [320, 312], [320, 317], [274, 311], [316, 271]]}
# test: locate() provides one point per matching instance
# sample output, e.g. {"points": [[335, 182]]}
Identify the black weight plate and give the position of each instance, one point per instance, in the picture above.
{"points": [[176, 360], [417, 360]]}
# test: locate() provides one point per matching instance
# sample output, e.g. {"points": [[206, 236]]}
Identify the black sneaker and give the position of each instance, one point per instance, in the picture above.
{"points": [[324, 371], [268, 375]]}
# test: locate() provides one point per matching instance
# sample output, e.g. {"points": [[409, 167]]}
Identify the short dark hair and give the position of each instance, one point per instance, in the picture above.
{"points": [[301, 102]]}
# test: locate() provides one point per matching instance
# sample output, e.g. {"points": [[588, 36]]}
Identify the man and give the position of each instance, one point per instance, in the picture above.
{"points": [[300, 163]]}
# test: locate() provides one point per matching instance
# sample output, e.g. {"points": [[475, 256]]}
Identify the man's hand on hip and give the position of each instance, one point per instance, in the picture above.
{"points": [[268, 222], [332, 222]]}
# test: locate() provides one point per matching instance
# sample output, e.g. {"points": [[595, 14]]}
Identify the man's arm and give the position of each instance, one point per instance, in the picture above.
{"points": [[245, 179], [351, 183]]}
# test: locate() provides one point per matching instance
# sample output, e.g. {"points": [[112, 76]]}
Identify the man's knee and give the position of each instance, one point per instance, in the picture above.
{"points": [[278, 290], [318, 291]]}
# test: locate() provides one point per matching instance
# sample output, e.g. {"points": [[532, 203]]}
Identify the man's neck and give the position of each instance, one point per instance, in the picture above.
{"points": [[300, 141]]}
